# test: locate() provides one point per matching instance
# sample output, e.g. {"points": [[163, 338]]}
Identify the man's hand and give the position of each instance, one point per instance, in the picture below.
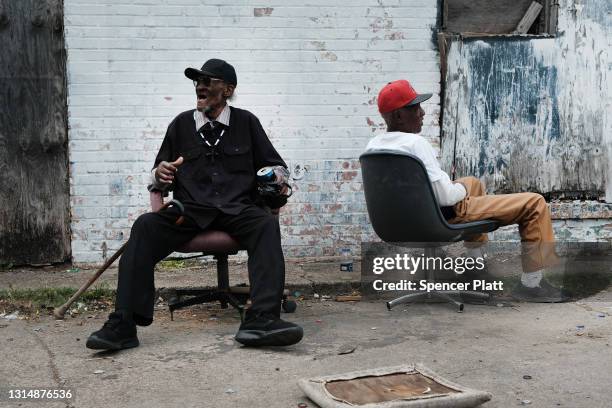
{"points": [[164, 173]]}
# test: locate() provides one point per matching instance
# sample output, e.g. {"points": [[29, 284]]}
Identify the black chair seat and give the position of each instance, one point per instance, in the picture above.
{"points": [[221, 245], [404, 211], [212, 242], [476, 227]]}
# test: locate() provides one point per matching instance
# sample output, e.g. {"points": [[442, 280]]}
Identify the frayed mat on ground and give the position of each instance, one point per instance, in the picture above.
{"points": [[409, 386]]}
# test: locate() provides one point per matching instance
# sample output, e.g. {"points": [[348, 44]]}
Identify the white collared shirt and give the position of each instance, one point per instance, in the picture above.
{"points": [[201, 119], [447, 193]]}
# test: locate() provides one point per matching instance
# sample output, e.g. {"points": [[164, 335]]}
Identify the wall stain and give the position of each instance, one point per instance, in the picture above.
{"points": [[262, 11], [528, 113], [329, 56]]}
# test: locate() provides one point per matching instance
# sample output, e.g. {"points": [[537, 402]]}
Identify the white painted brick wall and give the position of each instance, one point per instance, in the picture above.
{"points": [[308, 70]]}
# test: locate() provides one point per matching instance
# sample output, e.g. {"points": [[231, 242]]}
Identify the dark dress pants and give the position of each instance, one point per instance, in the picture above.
{"points": [[155, 235]]}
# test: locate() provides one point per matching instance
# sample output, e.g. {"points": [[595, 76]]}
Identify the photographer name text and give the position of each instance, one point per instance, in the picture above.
{"points": [[427, 286]]}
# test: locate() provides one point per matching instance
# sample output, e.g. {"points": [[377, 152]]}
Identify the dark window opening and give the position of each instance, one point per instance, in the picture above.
{"points": [[499, 17]]}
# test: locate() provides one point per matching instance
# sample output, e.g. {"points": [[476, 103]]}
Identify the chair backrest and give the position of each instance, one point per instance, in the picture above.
{"points": [[400, 200]]}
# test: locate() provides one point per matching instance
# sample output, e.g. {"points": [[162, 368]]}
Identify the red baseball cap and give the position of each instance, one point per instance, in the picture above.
{"points": [[398, 94]]}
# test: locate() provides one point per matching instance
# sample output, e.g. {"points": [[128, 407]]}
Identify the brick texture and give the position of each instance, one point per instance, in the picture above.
{"points": [[309, 70]]}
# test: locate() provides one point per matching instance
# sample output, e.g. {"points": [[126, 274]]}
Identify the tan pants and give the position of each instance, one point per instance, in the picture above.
{"points": [[528, 210]]}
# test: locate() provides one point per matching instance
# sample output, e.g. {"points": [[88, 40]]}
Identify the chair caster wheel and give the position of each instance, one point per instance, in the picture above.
{"points": [[289, 306]]}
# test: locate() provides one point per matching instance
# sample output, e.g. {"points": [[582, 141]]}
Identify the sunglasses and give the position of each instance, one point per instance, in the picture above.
{"points": [[205, 80]]}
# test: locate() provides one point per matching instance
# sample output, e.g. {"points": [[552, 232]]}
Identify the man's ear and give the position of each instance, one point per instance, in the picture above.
{"points": [[228, 91], [397, 116]]}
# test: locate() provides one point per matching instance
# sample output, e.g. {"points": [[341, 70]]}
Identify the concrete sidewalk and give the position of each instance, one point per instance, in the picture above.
{"points": [[527, 354], [524, 354]]}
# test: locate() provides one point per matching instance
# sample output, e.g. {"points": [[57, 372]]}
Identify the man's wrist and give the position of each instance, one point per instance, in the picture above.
{"points": [[157, 184]]}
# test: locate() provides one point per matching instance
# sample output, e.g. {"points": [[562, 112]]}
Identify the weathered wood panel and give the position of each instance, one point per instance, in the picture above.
{"points": [[532, 114], [483, 16], [34, 210]]}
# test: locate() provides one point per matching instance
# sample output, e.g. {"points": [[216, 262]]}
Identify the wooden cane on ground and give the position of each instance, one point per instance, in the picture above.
{"points": [[60, 311]]}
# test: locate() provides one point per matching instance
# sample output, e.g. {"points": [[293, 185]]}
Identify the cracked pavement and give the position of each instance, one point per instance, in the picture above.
{"points": [[193, 361]]}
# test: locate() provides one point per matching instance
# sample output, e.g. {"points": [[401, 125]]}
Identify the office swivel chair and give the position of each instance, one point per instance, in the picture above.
{"points": [[404, 211], [220, 245]]}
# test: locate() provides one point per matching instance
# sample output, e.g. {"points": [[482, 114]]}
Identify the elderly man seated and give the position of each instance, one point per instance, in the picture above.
{"points": [[209, 158]]}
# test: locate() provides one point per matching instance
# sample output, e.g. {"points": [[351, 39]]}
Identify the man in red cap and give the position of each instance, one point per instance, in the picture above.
{"points": [[400, 106]]}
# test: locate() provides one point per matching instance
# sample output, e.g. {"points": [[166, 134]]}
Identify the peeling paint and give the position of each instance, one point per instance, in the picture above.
{"points": [[319, 45], [117, 187], [397, 35], [349, 175], [530, 113], [262, 11], [381, 23], [329, 56]]}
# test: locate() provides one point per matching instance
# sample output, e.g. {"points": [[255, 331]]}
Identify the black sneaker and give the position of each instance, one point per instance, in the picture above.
{"points": [[544, 293], [268, 330], [116, 334]]}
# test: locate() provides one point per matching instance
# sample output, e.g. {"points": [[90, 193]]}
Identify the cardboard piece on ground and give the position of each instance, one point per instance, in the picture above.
{"points": [[408, 386]]}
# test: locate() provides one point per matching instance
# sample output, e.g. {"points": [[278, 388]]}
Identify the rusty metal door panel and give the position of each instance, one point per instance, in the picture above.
{"points": [[34, 211]]}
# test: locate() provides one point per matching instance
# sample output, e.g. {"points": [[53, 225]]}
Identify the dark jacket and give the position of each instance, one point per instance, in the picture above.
{"points": [[221, 177]]}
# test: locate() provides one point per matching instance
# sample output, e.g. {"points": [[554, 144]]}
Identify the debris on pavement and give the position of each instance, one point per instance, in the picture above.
{"points": [[384, 385], [346, 349], [348, 298]]}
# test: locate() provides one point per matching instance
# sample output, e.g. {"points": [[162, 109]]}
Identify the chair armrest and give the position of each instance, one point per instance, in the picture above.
{"points": [[157, 200]]}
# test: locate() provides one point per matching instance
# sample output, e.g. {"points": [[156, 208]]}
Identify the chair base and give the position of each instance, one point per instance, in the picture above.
{"points": [[445, 295], [236, 296]]}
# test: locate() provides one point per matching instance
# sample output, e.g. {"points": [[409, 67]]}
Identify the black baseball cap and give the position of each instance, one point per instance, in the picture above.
{"points": [[214, 68]]}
